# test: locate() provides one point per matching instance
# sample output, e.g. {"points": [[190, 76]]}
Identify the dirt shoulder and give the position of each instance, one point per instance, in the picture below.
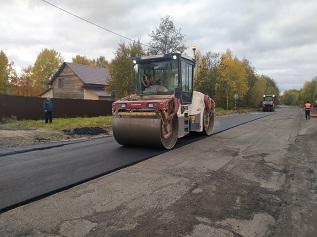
{"points": [[17, 137]]}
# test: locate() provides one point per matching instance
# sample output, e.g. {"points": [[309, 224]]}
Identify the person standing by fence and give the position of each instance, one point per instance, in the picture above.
{"points": [[48, 108], [307, 109]]}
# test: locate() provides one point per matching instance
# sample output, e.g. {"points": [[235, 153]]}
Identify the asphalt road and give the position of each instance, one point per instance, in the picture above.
{"points": [[254, 180], [31, 174]]}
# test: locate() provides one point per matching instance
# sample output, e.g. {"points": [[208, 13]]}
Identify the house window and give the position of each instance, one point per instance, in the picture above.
{"points": [[60, 82]]}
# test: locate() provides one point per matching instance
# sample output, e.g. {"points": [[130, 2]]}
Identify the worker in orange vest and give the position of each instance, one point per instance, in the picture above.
{"points": [[307, 110]]}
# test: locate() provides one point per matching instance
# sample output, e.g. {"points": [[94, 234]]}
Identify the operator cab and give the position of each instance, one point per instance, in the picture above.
{"points": [[268, 98], [165, 75]]}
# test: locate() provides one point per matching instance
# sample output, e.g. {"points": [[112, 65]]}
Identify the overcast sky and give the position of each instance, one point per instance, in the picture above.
{"points": [[278, 37]]}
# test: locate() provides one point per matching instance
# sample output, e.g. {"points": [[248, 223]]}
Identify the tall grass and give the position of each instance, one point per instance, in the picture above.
{"points": [[222, 112]]}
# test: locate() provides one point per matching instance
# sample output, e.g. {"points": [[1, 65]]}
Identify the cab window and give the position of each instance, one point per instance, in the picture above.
{"points": [[187, 81]]}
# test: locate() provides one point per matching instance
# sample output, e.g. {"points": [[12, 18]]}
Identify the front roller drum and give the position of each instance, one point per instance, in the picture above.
{"points": [[146, 132]]}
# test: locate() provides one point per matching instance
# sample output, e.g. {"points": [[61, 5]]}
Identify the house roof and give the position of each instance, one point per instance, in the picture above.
{"points": [[47, 90], [88, 74], [98, 92]]}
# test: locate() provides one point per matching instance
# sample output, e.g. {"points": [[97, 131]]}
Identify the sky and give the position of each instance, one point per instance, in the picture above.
{"points": [[278, 37]]}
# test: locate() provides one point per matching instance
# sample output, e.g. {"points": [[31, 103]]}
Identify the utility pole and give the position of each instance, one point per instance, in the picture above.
{"points": [[227, 92]]}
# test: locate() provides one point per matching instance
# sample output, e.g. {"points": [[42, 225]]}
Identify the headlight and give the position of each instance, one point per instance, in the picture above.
{"points": [[123, 105], [151, 105]]}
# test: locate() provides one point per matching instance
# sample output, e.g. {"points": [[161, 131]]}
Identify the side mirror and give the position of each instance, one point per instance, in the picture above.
{"points": [[113, 95], [178, 92]]}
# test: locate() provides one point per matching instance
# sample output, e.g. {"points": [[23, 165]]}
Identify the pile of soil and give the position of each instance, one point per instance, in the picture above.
{"points": [[15, 137]]}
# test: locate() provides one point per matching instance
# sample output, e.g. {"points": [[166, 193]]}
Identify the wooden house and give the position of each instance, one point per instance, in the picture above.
{"points": [[77, 81]]}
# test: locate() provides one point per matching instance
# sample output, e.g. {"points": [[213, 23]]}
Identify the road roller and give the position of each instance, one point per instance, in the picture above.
{"points": [[165, 106]]}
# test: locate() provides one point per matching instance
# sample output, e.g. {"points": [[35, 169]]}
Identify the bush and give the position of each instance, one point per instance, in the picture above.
{"points": [[4, 120]]}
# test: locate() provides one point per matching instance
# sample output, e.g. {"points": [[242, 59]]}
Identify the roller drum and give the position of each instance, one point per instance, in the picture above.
{"points": [[138, 131]]}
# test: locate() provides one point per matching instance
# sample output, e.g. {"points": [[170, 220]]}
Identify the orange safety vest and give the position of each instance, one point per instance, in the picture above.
{"points": [[308, 106]]}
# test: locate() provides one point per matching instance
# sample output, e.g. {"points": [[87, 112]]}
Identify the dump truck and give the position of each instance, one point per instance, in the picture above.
{"points": [[268, 103], [165, 106]]}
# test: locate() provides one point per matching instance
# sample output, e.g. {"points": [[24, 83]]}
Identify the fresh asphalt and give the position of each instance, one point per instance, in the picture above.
{"points": [[34, 172]]}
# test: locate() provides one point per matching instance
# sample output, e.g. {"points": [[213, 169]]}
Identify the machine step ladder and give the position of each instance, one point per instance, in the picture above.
{"points": [[186, 123]]}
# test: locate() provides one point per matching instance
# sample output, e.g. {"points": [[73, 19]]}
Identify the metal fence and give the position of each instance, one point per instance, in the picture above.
{"points": [[23, 108]]}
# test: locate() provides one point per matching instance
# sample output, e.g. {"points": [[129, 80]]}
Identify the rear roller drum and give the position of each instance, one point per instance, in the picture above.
{"points": [[208, 121]]}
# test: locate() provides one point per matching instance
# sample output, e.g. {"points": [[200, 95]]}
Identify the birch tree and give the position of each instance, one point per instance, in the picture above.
{"points": [[166, 38]]}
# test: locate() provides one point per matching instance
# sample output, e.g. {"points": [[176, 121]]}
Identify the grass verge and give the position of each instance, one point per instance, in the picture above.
{"points": [[101, 121], [60, 123]]}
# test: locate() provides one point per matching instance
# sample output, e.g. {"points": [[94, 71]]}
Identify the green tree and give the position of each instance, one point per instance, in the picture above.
{"points": [[45, 66], [251, 79], [257, 91], [272, 88], [78, 59], [207, 72], [23, 84], [121, 71], [101, 62], [6, 69], [166, 38], [308, 91], [290, 97]]}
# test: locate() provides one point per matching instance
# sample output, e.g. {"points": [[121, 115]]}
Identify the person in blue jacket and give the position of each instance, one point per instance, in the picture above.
{"points": [[48, 108]]}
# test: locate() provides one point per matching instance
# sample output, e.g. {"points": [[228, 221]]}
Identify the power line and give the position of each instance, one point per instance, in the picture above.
{"points": [[87, 20]]}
